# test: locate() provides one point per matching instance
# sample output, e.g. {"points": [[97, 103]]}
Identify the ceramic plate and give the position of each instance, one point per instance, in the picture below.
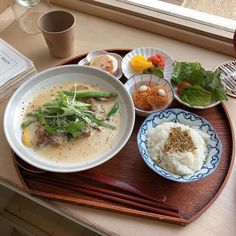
{"points": [[184, 117], [223, 81], [146, 52], [70, 73], [228, 77], [93, 54]]}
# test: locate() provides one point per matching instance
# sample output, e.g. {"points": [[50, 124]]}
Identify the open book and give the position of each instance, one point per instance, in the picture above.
{"points": [[15, 68]]}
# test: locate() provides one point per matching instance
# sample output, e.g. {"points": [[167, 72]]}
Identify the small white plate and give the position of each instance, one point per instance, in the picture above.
{"points": [[146, 52], [69, 73], [91, 55], [213, 102]]}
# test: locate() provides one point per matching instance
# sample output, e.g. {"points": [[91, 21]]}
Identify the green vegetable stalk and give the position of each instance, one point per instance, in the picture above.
{"points": [[89, 94], [67, 114], [113, 110]]}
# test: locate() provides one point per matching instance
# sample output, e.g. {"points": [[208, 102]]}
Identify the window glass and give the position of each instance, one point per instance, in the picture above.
{"points": [[217, 13]]}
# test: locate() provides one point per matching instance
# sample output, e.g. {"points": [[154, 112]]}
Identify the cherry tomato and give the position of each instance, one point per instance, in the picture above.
{"points": [[157, 60], [182, 86]]}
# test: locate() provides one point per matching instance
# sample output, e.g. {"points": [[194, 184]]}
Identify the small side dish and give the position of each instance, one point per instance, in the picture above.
{"points": [[149, 93], [150, 98], [154, 64], [147, 60], [106, 61], [228, 77], [197, 87]]}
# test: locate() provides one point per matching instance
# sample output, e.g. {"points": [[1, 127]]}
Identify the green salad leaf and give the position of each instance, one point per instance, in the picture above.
{"points": [[206, 85], [187, 72], [196, 96], [155, 71]]}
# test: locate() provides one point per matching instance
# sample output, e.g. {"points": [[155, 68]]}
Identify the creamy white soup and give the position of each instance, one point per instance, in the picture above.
{"points": [[84, 148]]}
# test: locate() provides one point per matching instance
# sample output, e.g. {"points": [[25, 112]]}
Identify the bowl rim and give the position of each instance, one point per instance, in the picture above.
{"points": [[68, 169], [171, 176]]}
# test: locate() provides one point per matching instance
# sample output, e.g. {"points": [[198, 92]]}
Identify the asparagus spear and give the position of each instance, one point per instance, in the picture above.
{"points": [[27, 123], [91, 94], [101, 122], [113, 110]]}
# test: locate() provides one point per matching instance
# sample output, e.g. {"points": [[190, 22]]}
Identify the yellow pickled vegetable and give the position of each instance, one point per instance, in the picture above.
{"points": [[26, 138], [140, 63]]}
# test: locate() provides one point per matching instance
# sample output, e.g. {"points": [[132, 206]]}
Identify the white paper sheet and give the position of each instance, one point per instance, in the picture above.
{"points": [[15, 68], [12, 62]]}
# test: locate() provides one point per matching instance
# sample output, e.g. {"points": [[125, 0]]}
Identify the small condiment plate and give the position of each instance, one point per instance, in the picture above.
{"points": [[93, 54], [146, 52]]}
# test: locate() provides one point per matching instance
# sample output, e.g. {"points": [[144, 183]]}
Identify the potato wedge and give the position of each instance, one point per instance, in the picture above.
{"points": [[26, 138]]}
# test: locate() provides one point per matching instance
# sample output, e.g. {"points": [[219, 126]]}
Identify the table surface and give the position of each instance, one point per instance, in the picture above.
{"points": [[94, 33]]}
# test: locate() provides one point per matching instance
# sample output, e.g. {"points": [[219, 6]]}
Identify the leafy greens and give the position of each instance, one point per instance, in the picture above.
{"points": [[206, 85], [69, 115], [155, 71]]}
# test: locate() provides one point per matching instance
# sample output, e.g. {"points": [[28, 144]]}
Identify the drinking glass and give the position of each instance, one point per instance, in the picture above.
{"points": [[27, 13]]}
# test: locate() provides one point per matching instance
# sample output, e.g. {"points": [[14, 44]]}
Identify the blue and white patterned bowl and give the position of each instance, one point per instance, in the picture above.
{"points": [[184, 117]]}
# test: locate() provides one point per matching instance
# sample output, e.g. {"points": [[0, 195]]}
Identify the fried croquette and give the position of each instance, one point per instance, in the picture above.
{"points": [[140, 100], [156, 98]]}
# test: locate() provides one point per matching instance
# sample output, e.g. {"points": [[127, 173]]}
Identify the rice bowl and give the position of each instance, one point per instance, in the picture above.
{"points": [[171, 158]]}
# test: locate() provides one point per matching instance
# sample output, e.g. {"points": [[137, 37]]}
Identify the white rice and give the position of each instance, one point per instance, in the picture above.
{"points": [[180, 163]]}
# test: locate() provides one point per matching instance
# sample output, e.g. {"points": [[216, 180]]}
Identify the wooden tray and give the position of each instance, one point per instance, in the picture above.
{"points": [[192, 199]]}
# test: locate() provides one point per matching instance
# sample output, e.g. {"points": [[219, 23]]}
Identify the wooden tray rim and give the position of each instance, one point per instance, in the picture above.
{"points": [[124, 210]]}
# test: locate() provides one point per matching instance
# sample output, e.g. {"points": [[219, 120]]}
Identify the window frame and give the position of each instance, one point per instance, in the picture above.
{"points": [[156, 21]]}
